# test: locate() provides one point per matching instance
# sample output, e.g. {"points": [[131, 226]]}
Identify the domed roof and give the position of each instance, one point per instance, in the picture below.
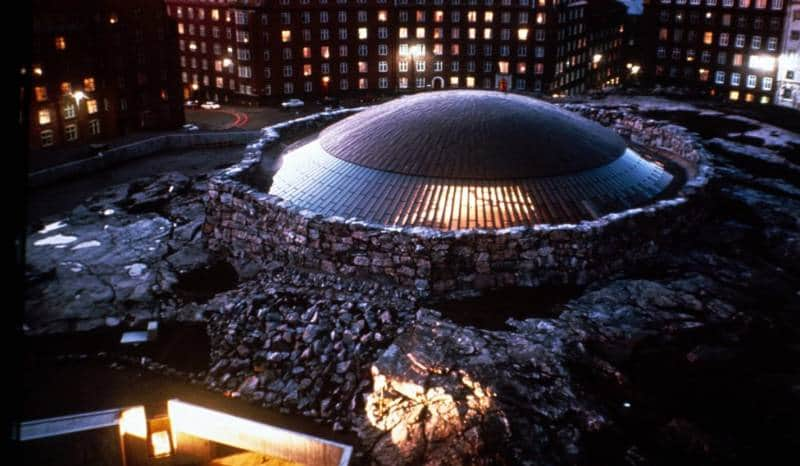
{"points": [[472, 134], [466, 159]]}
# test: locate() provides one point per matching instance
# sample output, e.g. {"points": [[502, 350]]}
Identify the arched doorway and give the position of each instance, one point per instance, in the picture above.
{"points": [[437, 82]]}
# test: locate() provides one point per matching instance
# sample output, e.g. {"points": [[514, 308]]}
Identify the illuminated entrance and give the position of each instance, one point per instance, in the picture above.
{"points": [[184, 434]]}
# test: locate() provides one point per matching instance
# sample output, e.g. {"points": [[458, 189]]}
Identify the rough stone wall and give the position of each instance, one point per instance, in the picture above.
{"points": [[254, 227]]}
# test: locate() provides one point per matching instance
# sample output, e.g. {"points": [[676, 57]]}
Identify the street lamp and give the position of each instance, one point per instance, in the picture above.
{"points": [[78, 96]]}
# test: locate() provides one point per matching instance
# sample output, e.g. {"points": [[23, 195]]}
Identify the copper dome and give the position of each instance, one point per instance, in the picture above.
{"points": [[467, 159]]}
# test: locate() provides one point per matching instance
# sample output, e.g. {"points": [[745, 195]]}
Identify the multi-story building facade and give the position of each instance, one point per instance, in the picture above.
{"points": [[787, 91], [726, 48], [607, 46], [101, 69], [258, 50]]}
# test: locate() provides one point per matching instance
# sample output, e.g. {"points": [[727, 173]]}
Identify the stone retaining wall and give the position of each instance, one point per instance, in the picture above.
{"points": [[253, 227]]}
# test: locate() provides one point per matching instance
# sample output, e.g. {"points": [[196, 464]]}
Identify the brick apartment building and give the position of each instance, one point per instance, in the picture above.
{"points": [[725, 48], [258, 51], [101, 69], [787, 91]]}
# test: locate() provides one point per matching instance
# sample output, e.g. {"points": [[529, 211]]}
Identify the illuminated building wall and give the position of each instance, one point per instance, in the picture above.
{"points": [[787, 92], [727, 48], [101, 69], [297, 48]]}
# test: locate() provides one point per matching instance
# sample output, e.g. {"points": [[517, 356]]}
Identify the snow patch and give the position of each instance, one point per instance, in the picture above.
{"points": [[56, 240], [135, 270], [52, 227], [86, 244]]}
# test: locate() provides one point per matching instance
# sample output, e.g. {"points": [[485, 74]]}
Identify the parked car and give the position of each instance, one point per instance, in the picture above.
{"points": [[210, 105], [292, 103], [191, 103], [97, 149], [189, 127]]}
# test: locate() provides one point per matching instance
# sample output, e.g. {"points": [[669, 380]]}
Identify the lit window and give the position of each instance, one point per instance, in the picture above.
{"points": [[734, 95], [708, 38], [307, 70], [286, 35], [91, 106], [41, 93], [71, 132], [88, 85], [94, 127], [420, 33], [61, 43], [47, 138], [522, 34], [66, 88], [362, 33], [383, 15], [44, 117], [470, 81]]}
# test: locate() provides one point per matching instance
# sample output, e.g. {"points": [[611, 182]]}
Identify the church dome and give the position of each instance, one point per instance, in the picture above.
{"points": [[467, 159]]}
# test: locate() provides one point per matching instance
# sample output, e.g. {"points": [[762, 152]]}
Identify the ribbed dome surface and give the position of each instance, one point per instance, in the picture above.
{"points": [[467, 159], [472, 134]]}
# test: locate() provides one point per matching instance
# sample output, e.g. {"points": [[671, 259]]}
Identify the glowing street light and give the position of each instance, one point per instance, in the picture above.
{"points": [[78, 96], [762, 62], [227, 62], [596, 58], [195, 86]]}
